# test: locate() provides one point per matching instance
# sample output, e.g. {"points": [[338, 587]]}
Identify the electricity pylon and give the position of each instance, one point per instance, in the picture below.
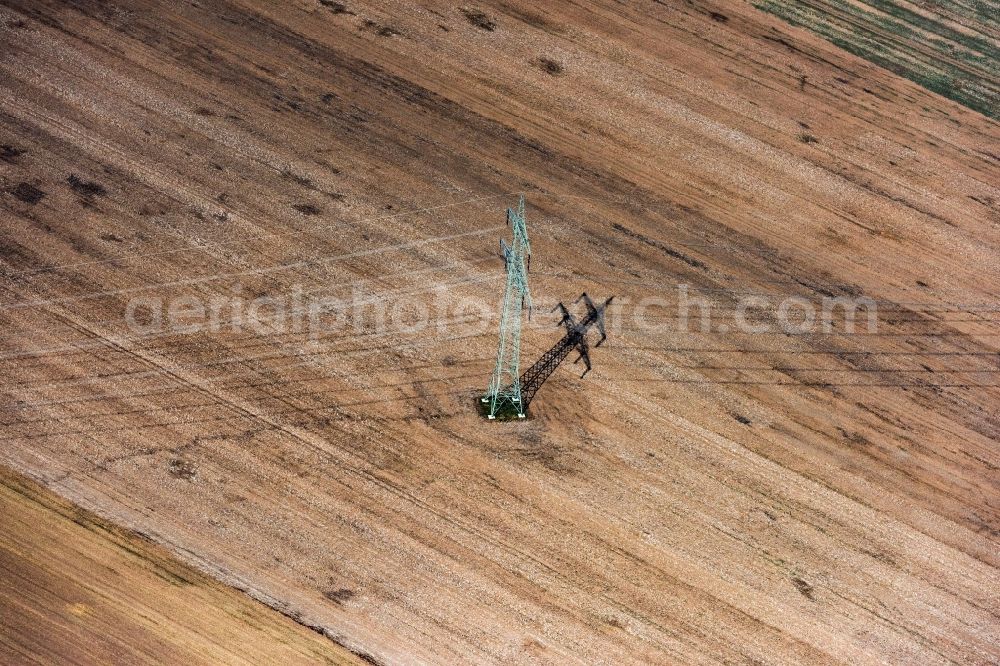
{"points": [[504, 394]]}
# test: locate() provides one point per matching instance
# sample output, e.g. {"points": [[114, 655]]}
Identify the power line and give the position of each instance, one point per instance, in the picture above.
{"points": [[261, 271], [92, 342], [659, 380], [953, 307], [115, 320], [806, 351], [297, 232], [242, 359]]}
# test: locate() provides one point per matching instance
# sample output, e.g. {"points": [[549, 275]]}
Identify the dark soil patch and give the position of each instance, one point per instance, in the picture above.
{"points": [[339, 596], [854, 438], [550, 66], [307, 209], [803, 587], [480, 19], [86, 188], [336, 7], [301, 180], [28, 193], [9, 153], [382, 30]]}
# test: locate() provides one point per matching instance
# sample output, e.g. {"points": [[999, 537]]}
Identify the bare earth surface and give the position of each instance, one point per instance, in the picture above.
{"points": [[78, 590], [700, 497]]}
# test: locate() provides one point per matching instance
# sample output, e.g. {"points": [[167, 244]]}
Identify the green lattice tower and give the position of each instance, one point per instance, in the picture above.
{"points": [[503, 398]]}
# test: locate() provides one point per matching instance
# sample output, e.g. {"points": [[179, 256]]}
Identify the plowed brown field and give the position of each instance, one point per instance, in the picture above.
{"points": [[702, 496]]}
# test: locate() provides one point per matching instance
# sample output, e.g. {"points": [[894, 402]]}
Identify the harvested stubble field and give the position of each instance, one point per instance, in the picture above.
{"points": [[701, 497], [79, 590]]}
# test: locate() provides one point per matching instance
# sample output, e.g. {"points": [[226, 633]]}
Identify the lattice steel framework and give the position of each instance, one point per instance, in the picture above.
{"points": [[504, 394], [575, 338]]}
